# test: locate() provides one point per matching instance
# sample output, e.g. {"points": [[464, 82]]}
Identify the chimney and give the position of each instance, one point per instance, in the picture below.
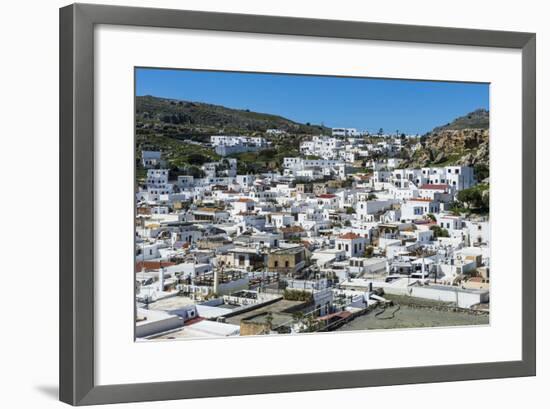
{"points": [[216, 280]]}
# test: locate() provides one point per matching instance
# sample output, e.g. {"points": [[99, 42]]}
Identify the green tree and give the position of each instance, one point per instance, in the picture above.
{"points": [[439, 231], [481, 171], [470, 197], [485, 200], [196, 159], [269, 153], [311, 323], [297, 295]]}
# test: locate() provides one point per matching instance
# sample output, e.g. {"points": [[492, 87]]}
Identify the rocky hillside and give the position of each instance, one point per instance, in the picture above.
{"points": [[181, 130], [465, 141], [195, 118]]}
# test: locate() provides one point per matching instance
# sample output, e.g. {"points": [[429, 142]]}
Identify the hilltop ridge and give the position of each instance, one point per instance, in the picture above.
{"points": [[478, 119], [198, 117]]}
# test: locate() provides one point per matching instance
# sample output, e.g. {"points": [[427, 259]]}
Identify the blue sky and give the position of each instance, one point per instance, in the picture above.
{"points": [[363, 103]]}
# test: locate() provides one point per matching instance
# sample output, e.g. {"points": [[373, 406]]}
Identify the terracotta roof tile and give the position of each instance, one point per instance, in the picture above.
{"points": [[435, 186], [349, 236], [152, 265]]}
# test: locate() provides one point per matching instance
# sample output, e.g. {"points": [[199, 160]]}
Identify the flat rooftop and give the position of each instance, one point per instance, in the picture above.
{"points": [[202, 329], [288, 250], [243, 250], [368, 261], [454, 288], [276, 307], [171, 303], [328, 251], [278, 319]]}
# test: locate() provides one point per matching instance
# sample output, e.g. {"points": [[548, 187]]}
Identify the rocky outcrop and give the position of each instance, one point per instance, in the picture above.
{"points": [[464, 141], [467, 147]]}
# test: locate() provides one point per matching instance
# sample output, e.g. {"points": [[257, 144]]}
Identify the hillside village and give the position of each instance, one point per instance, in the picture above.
{"points": [[347, 226]]}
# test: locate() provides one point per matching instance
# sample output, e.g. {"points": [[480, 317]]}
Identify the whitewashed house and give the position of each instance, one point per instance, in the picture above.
{"points": [[417, 208], [352, 244], [151, 159], [243, 205]]}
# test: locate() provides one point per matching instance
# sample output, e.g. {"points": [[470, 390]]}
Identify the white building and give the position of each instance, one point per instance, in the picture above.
{"points": [[243, 205], [363, 265], [314, 168], [449, 222], [151, 159], [275, 132], [157, 177], [365, 208], [417, 208], [147, 251], [226, 167], [245, 181], [441, 192], [229, 144], [280, 220], [322, 146], [392, 163], [457, 177], [152, 322], [352, 244], [479, 232], [345, 132]]}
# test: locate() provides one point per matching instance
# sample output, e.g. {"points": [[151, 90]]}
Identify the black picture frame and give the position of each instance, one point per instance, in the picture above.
{"points": [[77, 21]]}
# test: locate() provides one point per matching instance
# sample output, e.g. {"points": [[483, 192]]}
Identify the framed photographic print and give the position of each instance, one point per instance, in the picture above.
{"points": [[257, 204]]}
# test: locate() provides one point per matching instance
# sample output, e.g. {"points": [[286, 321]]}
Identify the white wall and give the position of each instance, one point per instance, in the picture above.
{"points": [[29, 76], [462, 298], [154, 326]]}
